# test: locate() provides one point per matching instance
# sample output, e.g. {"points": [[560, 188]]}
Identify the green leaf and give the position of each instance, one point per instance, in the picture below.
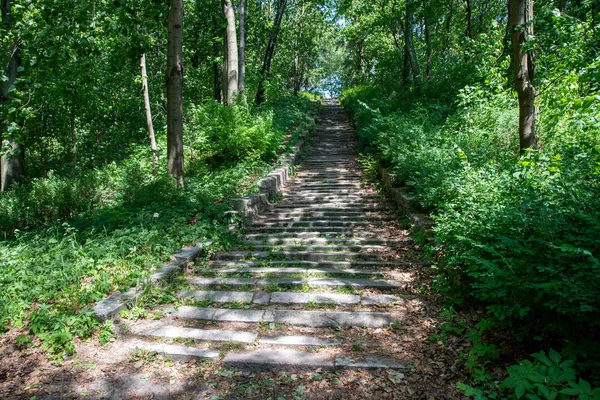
{"points": [[554, 356], [520, 390]]}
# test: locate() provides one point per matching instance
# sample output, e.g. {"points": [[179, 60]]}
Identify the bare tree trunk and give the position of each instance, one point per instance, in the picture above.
{"points": [[12, 165], [217, 83], [232, 53], [242, 52], [428, 52], [260, 93], [297, 77], [469, 30], [224, 85], [410, 54], [520, 14], [175, 91], [148, 111]]}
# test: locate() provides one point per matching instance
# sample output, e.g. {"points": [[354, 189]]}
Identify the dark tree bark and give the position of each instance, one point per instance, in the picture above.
{"points": [[410, 55], [231, 64], [242, 52], [217, 84], [148, 111], [12, 165], [520, 15], [264, 72], [175, 90], [428, 52], [469, 30]]}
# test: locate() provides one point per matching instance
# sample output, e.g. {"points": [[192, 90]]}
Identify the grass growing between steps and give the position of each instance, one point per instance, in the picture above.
{"points": [[71, 240]]}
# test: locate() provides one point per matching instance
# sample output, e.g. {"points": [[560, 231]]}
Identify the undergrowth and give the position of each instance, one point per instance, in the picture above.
{"points": [[71, 240]]}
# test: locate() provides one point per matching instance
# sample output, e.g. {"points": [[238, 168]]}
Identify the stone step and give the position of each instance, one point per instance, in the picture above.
{"points": [[304, 233], [291, 298], [315, 199], [366, 197], [324, 283], [294, 360], [331, 230], [314, 249], [312, 319], [323, 264], [297, 255], [287, 217], [369, 207], [269, 239], [261, 271], [328, 175], [166, 331], [337, 214], [314, 223]]}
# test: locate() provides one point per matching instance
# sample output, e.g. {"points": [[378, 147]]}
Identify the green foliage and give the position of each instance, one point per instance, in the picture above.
{"points": [[82, 237], [221, 134], [107, 332], [520, 235], [546, 377]]}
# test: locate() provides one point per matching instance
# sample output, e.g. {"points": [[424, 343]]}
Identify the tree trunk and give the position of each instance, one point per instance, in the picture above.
{"points": [[469, 30], [148, 111], [232, 53], [260, 93], [242, 52], [520, 14], [12, 165], [410, 55], [428, 52], [175, 91], [217, 83]]}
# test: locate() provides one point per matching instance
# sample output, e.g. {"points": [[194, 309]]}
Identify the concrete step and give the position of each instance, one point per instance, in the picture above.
{"points": [[268, 359], [337, 214], [298, 255], [282, 271], [314, 223], [269, 239], [163, 330], [302, 233], [298, 217], [315, 199], [290, 298], [294, 360], [313, 319], [324, 283], [323, 264], [331, 230], [298, 207], [315, 249]]}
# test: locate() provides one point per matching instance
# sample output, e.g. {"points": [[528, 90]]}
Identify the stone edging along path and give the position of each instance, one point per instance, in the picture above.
{"points": [[247, 207]]}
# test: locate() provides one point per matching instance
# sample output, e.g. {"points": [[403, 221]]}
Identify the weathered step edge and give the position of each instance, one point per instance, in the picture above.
{"points": [[269, 359], [110, 306]]}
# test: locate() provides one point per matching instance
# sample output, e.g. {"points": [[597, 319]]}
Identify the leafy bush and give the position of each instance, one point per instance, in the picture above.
{"points": [[222, 134], [546, 377], [520, 234]]}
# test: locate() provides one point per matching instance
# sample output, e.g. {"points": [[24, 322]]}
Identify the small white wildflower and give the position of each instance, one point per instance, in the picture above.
{"points": [[156, 215]]}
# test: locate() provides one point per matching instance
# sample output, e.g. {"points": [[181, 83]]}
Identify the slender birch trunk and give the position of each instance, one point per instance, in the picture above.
{"points": [[148, 111]]}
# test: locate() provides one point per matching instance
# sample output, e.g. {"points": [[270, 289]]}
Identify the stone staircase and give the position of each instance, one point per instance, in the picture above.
{"points": [[324, 279]]}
